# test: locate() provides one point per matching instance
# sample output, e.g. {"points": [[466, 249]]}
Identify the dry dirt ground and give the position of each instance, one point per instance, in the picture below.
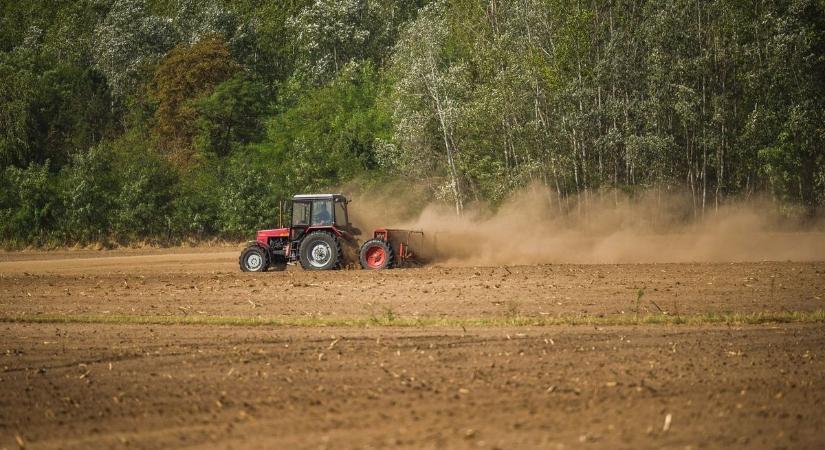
{"points": [[98, 385], [210, 283]]}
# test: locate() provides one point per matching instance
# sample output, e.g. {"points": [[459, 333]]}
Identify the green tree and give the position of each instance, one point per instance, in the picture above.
{"points": [[186, 74], [143, 207], [49, 110], [87, 190], [249, 195], [329, 34], [429, 88], [17, 88], [232, 115], [29, 204], [196, 204], [329, 136], [128, 42]]}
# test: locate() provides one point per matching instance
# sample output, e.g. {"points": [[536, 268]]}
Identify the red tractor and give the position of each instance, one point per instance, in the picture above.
{"points": [[321, 237]]}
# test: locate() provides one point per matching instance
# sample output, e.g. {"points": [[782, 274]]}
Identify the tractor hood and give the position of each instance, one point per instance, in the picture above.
{"points": [[263, 236]]}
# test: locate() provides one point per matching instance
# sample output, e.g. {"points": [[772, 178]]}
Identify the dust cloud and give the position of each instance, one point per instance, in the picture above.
{"points": [[535, 227]]}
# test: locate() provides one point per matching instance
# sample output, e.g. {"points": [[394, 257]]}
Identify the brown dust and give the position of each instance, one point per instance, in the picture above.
{"points": [[535, 227]]}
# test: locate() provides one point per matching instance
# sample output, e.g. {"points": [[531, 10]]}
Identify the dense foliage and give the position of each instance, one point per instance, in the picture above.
{"points": [[160, 119]]}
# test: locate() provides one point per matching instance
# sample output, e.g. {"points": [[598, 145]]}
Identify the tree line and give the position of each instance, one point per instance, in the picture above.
{"points": [[123, 120]]}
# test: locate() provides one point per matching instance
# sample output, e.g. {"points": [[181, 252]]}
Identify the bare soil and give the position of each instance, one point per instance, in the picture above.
{"points": [[112, 386], [210, 283]]}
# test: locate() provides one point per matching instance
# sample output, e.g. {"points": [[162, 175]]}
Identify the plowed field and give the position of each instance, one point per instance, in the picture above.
{"points": [[477, 372]]}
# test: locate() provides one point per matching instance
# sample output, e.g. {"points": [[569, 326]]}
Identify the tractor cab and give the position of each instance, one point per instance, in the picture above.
{"points": [[319, 216], [318, 211]]}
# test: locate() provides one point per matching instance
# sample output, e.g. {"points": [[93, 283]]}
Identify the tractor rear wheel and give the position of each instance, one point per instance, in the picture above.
{"points": [[320, 251], [376, 254], [253, 259]]}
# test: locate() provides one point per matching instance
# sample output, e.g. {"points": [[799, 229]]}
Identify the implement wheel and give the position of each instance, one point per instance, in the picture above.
{"points": [[376, 254]]}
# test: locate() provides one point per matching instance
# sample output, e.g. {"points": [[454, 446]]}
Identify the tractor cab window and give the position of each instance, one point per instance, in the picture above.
{"points": [[300, 214], [321, 213], [340, 213]]}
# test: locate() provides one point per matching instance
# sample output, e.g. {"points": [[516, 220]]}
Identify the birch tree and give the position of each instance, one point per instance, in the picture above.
{"points": [[428, 94]]}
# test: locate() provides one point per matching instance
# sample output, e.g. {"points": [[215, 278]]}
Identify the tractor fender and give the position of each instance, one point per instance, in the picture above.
{"points": [[267, 251], [329, 229], [257, 244]]}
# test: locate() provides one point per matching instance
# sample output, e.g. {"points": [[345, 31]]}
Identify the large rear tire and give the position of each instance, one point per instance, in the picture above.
{"points": [[254, 259], [376, 254], [320, 251]]}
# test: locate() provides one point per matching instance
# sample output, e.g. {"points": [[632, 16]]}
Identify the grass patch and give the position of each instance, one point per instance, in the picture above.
{"points": [[392, 320]]}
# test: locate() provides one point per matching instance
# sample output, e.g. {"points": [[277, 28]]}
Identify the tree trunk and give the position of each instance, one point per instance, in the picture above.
{"points": [[454, 179]]}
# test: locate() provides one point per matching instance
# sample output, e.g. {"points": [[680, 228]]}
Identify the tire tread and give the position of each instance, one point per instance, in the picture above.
{"points": [[362, 257], [332, 240]]}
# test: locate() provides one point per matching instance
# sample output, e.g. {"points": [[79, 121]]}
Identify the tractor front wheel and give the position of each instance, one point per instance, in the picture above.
{"points": [[254, 259], [376, 254], [320, 251]]}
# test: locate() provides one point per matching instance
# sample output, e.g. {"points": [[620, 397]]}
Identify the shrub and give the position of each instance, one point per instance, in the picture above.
{"points": [[29, 205], [88, 190]]}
